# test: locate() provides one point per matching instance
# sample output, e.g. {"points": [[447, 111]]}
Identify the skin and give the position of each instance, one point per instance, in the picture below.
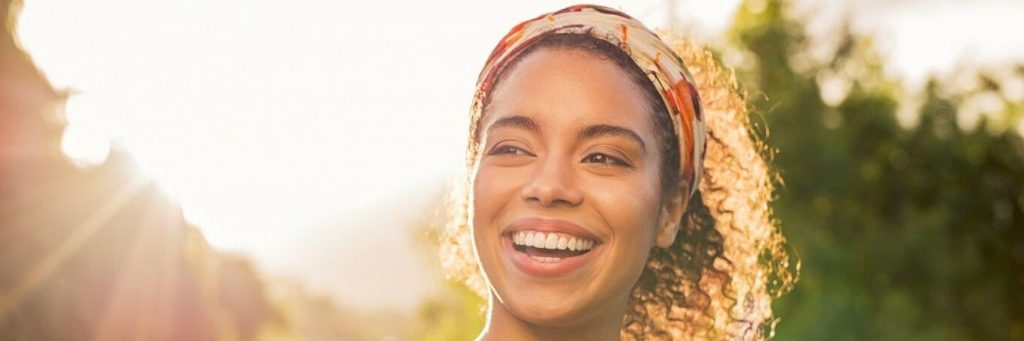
{"points": [[535, 163]]}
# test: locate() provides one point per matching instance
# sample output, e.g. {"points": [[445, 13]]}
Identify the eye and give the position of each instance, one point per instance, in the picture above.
{"points": [[605, 159], [508, 149]]}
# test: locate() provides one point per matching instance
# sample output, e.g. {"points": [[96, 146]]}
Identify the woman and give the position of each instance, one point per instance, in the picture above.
{"points": [[593, 205]]}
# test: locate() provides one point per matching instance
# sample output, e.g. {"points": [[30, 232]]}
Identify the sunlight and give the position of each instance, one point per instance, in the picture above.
{"points": [[68, 246], [257, 129], [85, 142]]}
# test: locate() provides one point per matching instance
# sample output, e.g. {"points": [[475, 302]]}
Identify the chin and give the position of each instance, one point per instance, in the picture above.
{"points": [[550, 304], [550, 313]]}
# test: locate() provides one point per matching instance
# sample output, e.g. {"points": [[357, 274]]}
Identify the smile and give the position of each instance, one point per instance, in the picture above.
{"points": [[548, 248]]}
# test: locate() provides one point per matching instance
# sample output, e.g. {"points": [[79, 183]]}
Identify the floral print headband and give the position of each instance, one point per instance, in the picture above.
{"points": [[663, 68]]}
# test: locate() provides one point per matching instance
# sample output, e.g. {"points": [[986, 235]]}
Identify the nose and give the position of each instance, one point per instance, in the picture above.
{"points": [[552, 185]]}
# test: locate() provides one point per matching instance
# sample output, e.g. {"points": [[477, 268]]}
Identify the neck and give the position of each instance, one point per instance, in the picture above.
{"points": [[503, 325]]}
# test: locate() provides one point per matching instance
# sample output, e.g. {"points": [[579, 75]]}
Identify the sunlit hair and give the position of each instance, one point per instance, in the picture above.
{"points": [[729, 258]]}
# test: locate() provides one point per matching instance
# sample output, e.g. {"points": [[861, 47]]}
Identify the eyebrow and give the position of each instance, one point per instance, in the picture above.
{"points": [[516, 122], [590, 132], [600, 130]]}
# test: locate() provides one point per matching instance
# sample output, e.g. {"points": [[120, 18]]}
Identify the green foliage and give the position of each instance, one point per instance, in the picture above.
{"points": [[912, 231]]}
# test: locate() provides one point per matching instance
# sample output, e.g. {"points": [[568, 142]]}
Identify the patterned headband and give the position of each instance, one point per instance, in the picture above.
{"points": [[663, 68]]}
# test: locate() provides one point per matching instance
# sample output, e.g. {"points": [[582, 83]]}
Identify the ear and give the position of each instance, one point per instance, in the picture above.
{"points": [[671, 214]]}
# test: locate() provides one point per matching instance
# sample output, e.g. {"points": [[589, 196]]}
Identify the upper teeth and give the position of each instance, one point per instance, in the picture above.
{"points": [[551, 241]]}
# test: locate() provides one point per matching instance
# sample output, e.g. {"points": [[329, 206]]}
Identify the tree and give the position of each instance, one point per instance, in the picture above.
{"points": [[905, 232]]}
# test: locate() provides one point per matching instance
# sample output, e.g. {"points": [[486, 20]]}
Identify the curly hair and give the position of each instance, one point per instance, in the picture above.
{"points": [[729, 258]]}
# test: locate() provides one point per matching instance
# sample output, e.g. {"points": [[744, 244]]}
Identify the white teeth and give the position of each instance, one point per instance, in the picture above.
{"points": [[552, 241], [546, 259], [538, 240]]}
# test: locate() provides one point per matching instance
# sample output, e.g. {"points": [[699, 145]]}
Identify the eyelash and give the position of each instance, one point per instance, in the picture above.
{"points": [[608, 160], [509, 150]]}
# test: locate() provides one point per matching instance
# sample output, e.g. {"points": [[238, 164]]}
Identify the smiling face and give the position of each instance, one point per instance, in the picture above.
{"points": [[566, 192]]}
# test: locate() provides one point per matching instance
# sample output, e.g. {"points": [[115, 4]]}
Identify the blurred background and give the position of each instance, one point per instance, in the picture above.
{"points": [[265, 170]]}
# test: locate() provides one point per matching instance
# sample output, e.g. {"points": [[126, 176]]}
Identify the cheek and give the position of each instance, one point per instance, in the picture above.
{"points": [[631, 209], [492, 190]]}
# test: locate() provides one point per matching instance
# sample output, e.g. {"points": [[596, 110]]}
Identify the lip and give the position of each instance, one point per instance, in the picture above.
{"points": [[532, 267]]}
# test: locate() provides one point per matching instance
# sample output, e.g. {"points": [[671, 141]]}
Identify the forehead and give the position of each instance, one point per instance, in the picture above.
{"points": [[569, 88]]}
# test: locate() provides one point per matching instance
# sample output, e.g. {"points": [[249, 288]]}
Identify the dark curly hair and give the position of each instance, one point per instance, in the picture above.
{"points": [[712, 281]]}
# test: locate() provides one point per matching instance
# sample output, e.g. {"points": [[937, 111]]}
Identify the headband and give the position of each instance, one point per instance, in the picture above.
{"points": [[663, 68]]}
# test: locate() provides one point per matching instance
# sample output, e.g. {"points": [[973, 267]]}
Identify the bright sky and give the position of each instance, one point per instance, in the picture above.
{"points": [[922, 37], [269, 119]]}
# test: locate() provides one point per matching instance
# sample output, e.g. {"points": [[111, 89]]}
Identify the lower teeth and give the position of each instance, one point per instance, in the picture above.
{"points": [[546, 259]]}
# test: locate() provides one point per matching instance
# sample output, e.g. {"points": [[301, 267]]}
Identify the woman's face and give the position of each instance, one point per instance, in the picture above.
{"points": [[566, 200]]}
